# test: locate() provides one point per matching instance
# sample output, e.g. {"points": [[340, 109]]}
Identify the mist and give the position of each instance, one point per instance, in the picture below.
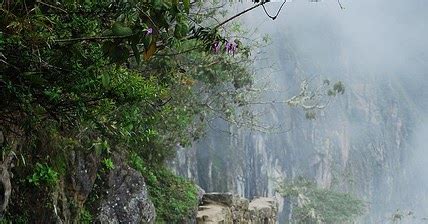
{"points": [[369, 142], [379, 49], [384, 38]]}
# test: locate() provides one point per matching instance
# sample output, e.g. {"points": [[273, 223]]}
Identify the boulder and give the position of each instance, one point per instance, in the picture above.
{"points": [[5, 185], [81, 179], [263, 211], [127, 199], [214, 213], [226, 199]]}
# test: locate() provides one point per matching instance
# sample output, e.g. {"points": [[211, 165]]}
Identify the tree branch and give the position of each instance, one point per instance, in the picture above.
{"points": [[91, 38], [51, 6], [237, 15], [340, 4]]}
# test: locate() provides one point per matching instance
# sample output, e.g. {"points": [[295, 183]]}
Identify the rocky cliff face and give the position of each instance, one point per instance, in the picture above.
{"points": [[359, 145], [120, 197]]}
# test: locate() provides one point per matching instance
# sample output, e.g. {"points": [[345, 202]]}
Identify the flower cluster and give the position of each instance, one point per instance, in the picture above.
{"points": [[216, 47], [231, 47]]}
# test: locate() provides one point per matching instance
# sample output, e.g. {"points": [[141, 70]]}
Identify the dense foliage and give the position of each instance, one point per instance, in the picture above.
{"points": [[312, 204], [99, 76], [69, 65]]}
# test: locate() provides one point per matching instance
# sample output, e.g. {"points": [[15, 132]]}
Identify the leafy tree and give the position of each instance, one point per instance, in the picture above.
{"points": [[312, 101]]}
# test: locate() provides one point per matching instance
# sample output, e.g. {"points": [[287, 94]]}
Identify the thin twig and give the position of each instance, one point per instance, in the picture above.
{"points": [[91, 38], [340, 4], [277, 13], [13, 66], [153, 22], [52, 6], [237, 15], [181, 52]]}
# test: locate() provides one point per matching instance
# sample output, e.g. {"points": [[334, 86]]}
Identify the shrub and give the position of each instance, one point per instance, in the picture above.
{"points": [[316, 205], [43, 174]]}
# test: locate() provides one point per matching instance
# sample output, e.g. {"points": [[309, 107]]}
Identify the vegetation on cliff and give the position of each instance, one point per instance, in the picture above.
{"points": [[137, 77], [97, 79], [312, 204]]}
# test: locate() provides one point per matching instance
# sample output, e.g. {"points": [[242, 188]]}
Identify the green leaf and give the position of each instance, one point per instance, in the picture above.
{"points": [[186, 4], [119, 54], [107, 47], [105, 81], [147, 40], [119, 29], [136, 52], [35, 78], [181, 30]]}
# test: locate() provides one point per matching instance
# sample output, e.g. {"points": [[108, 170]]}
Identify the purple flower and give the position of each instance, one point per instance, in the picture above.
{"points": [[149, 31], [231, 47], [234, 48], [228, 46], [216, 47]]}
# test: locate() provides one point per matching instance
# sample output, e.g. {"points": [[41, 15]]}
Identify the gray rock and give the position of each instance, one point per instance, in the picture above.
{"points": [[229, 208], [127, 199], [1, 138], [201, 193], [84, 172], [214, 213], [223, 198], [263, 210], [240, 210], [6, 186]]}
